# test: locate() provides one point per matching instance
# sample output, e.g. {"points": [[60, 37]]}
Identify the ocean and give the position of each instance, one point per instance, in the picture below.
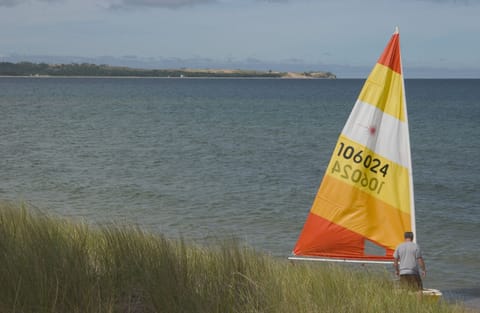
{"points": [[214, 158]]}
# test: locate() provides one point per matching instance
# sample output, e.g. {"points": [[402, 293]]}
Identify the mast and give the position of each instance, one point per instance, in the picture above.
{"points": [[412, 194]]}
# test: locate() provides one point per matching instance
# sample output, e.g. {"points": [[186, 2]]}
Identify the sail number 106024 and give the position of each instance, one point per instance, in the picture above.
{"points": [[375, 165], [358, 177]]}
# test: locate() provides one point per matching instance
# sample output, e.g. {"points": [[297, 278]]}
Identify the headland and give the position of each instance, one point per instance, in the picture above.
{"points": [[94, 70]]}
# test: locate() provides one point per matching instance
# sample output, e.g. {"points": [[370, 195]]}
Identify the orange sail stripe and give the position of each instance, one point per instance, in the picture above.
{"points": [[347, 220], [322, 238], [360, 212], [391, 55]]}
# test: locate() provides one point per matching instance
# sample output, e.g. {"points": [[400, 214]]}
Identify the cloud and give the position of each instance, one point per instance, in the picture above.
{"points": [[274, 1], [12, 3], [121, 3], [9, 3], [459, 2], [158, 3], [183, 3], [118, 4]]}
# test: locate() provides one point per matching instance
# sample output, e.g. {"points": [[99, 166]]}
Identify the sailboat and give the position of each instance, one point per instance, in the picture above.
{"points": [[365, 202]]}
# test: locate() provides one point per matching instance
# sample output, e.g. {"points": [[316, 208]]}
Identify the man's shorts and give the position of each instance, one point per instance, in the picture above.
{"points": [[411, 281]]}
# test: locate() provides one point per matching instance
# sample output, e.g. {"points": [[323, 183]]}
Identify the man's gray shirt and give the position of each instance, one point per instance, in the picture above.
{"points": [[408, 253]]}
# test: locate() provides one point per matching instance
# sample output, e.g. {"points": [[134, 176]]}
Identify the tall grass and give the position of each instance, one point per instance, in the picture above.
{"points": [[48, 264]]}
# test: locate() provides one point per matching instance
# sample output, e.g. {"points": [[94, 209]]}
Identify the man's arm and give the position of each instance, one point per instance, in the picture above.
{"points": [[422, 266], [395, 266]]}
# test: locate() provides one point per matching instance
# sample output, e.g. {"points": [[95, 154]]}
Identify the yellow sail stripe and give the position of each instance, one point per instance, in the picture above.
{"points": [[360, 212], [384, 86], [362, 168]]}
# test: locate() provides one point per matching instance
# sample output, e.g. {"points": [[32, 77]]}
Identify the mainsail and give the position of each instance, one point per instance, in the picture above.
{"points": [[365, 201]]}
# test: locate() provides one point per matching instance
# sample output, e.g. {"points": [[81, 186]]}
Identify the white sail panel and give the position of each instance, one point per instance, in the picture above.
{"points": [[379, 132]]}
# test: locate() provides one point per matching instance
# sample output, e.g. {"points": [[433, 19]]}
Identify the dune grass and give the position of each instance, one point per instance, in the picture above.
{"points": [[49, 264]]}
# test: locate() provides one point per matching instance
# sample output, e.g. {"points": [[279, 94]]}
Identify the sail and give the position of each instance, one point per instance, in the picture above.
{"points": [[365, 200]]}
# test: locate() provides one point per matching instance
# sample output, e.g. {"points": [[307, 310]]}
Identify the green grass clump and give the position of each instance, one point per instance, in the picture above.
{"points": [[49, 264]]}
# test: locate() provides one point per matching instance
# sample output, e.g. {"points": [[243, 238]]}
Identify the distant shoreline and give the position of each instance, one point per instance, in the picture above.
{"points": [[40, 70], [155, 77]]}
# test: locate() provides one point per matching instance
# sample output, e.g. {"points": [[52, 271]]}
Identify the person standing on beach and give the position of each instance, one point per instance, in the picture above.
{"points": [[407, 260]]}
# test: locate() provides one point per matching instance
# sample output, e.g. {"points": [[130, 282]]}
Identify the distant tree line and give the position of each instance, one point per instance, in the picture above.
{"points": [[87, 69]]}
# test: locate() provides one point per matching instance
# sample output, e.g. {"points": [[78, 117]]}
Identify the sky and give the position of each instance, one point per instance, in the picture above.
{"points": [[439, 38]]}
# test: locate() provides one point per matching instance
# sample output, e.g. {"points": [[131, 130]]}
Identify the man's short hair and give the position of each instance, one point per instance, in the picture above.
{"points": [[408, 235]]}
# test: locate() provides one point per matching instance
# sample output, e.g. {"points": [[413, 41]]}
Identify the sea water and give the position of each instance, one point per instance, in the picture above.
{"points": [[209, 158]]}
